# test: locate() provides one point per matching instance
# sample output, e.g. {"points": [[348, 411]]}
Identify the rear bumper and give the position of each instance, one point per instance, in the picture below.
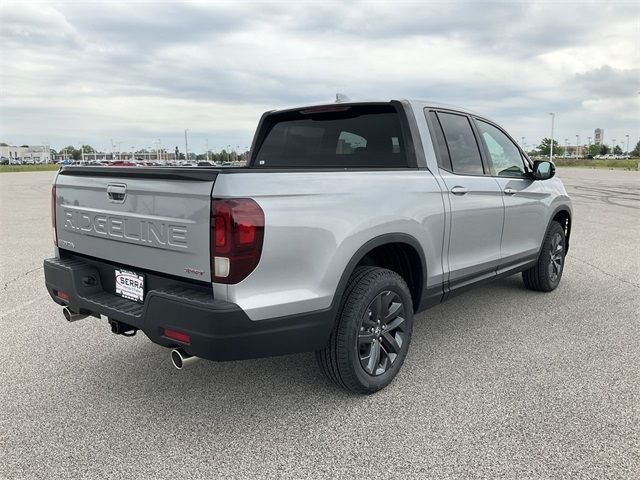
{"points": [[218, 330]]}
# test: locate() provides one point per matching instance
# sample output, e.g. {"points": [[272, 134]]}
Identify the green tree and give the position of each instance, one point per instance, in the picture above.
{"points": [[88, 149], [545, 147], [636, 151], [617, 150], [71, 152], [593, 149], [2, 144], [603, 149]]}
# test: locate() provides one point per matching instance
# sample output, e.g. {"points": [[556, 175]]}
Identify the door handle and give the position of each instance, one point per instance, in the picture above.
{"points": [[458, 190], [510, 191]]}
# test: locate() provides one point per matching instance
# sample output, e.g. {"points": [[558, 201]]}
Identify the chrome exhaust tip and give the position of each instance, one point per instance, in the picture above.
{"points": [[180, 358], [71, 316]]}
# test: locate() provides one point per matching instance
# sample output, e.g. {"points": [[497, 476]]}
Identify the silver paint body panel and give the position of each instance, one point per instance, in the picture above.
{"points": [[161, 225], [316, 221]]}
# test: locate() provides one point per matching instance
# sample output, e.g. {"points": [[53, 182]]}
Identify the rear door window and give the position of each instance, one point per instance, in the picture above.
{"points": [[367, 136], [444, 161], [461, 144]]}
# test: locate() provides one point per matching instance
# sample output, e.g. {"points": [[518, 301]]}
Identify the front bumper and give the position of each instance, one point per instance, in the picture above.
{"points": [[218, 330]]}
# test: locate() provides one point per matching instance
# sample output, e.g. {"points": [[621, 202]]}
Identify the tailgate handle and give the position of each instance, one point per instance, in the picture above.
{"points": [[116, 192]]}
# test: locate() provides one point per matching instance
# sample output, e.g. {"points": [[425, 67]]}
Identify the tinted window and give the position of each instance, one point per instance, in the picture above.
{"points": [[505, 157], [443, 153], [355, 136], [462, 145]]}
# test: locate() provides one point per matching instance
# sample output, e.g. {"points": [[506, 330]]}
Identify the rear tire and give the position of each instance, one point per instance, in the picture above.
{"points": [[372, 333], [545, 276]]}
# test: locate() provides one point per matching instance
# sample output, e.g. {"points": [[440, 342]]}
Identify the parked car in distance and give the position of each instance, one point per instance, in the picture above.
{"points": [[123, 163], [347, 221]]}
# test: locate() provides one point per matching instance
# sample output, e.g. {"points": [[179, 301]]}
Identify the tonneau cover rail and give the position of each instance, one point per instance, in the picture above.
{"points": [[168, 173]]}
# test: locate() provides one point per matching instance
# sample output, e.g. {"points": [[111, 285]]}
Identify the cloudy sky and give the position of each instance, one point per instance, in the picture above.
{"points": [[136, 72]]}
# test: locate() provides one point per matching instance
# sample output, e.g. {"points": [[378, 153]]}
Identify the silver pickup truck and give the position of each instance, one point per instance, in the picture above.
{"points": [[348, 219]]}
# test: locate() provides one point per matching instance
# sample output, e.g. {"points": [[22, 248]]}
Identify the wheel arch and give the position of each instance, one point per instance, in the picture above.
{"points": [[408, 249], [562, 215]]}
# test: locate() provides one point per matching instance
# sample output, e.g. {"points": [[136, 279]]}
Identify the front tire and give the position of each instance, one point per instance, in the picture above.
{"points": [[545, 276], [372, 333]]}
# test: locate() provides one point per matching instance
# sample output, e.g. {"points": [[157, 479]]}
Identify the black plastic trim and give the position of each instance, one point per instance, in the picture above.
{"points": [[561, 208], [468, 282], [218, 330]]}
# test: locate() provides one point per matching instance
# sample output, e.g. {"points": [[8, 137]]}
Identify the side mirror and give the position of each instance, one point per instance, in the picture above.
{"points": [[543, 170]]}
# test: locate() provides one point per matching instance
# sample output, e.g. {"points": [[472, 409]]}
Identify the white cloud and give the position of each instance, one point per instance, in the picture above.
{"points": [[136, 71]]}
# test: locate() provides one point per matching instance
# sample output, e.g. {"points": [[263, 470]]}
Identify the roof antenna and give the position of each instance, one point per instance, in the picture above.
{"points": [[341, 98]]}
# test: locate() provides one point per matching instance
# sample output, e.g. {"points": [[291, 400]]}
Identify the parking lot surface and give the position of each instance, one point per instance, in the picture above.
{"points": [[499, 382]]}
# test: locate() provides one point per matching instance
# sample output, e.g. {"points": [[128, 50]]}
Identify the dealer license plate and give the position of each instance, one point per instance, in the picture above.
{"points": [[130, 285]]}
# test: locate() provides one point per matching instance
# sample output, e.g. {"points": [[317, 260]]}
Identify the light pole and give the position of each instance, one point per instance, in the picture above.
{"points": [[186, 145], [627, 150], [553, 117], [577, 145], [207, 149], [48, 154], [523, 144], [613, 146]]}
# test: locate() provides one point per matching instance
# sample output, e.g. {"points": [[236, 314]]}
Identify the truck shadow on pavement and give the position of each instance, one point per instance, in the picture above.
{"points": [[142, 373]]}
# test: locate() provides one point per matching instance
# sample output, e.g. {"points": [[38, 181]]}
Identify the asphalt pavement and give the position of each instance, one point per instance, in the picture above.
{"points": [[500, 382]]}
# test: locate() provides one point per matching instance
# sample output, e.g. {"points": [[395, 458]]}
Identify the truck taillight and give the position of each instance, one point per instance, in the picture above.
{"points": [[237, 232], [53, 215]]}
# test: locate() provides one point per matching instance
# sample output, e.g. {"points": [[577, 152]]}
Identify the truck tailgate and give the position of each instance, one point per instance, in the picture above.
{"points": [[150, 218]]}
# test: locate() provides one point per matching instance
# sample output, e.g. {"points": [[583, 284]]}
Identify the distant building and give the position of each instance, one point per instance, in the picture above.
{"points": [[142, 155], [598, 136], [27, 154]]}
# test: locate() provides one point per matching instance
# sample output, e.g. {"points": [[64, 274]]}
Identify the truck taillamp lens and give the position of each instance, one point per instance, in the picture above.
{"points": [[237, 233]]}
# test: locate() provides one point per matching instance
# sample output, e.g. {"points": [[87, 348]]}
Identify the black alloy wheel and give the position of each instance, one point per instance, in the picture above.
{"points": [[556, 257], [372, 333], [546, 274], [382, 333]]}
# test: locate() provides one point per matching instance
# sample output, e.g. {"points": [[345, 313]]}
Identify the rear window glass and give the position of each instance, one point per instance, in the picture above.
{"points": [[366, 136]]}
